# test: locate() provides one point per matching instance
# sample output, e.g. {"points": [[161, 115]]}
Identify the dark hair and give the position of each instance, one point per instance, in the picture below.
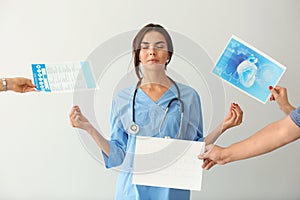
{"points": [[137, 44]]}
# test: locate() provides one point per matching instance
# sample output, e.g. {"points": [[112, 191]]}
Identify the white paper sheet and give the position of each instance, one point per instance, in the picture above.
{"points": [[63, 76], [168, 163]]}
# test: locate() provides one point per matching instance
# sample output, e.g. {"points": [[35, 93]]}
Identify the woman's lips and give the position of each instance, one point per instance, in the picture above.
{"points": [[152, 61]]}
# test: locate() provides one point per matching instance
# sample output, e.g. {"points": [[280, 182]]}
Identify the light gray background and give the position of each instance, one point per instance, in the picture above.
{"points": [[41, 156]]}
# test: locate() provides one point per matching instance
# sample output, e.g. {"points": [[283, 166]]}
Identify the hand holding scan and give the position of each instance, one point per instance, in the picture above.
{"points": [[78, 120], [20, 84], [279, 94]]}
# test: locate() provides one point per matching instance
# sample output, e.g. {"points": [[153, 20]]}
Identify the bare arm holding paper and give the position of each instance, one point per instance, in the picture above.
{"points": [[271, 137], [17, 84]]}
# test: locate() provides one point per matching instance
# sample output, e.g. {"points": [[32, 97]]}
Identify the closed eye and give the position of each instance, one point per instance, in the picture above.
{"points": [[144, 46]]}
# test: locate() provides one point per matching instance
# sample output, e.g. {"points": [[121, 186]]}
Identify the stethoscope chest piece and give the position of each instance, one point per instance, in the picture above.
{"points": [[134, 129]]}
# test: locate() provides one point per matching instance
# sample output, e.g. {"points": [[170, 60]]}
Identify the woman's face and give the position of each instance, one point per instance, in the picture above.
{"points": [[154, 50]]}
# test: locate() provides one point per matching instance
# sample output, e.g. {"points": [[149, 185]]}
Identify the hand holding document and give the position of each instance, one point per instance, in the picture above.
{"points": [[168, 163], [248, 69], [63, 77]]}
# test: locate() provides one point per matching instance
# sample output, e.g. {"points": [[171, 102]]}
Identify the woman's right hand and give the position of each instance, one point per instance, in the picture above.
{"points": [[78, 120]]}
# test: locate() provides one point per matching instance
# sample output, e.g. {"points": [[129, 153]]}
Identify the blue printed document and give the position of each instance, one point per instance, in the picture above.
{"points": [[63, 76], [248, 69]]}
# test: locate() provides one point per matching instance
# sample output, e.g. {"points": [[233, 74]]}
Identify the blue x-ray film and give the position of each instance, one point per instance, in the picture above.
{"points": [[248, 69]]}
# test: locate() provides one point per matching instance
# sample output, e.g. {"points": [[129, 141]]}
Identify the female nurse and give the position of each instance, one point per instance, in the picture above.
{"points": [[144, 104]]}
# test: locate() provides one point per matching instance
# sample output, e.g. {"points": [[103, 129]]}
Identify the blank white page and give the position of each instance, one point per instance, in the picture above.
{"points": [[168, 163]]}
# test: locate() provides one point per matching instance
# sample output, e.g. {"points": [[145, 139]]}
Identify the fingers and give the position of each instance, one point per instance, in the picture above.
{"points": [[209, 147], [278, 88], [74, 109], [233, 114], [205, 155], [239, 114], [30, 89], [202, 156], [29, 83], [74, 115], [76, 119], [211, 157], [272, 98], [237, 108], [208, 164], [205, 163], [237, 119], [231, 111], [274, 92], [236, 114]]}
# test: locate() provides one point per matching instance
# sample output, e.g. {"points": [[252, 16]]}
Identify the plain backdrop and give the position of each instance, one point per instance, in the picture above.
{"points": [[43, 158]]}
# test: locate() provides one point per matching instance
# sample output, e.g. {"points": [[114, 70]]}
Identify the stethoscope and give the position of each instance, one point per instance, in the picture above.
{"points": [[134, 128]]}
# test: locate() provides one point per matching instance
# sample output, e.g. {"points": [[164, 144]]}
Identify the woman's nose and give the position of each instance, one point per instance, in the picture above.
{"points": [[152, 51]]}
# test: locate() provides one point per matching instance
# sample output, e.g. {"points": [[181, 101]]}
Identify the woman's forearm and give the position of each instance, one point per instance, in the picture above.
{"points": [[215, 134], [102, 143]]}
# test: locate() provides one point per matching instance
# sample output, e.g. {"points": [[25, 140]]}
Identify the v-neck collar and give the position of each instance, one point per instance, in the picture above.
{"points": [[150, 100]]}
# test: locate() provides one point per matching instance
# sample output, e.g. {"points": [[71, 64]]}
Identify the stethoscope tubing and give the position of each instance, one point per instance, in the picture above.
{"points": [[134, 128]]}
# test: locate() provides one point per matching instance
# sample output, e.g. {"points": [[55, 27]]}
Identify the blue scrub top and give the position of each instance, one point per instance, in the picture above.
{"points": [[148, 115], [295, 116]]}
